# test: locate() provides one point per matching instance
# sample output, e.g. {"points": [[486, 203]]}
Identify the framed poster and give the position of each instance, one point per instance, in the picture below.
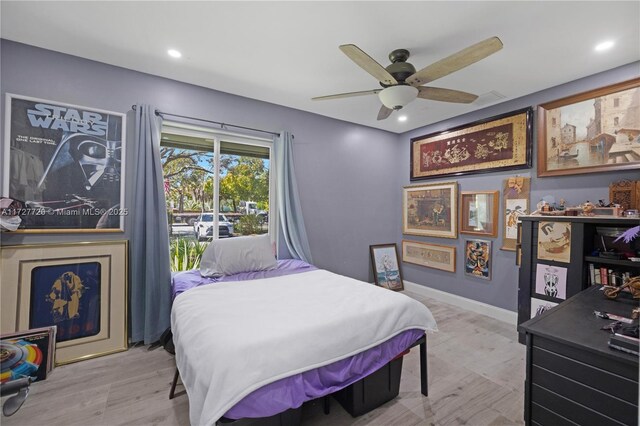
{"points": [[386, 266], [539, 306], [430, 210], [430, 255], [479, 213], [594, 131], [498, 143], [66, 163], [551, 281], [477, 258], [81, 288], [554, 241], [515, 195]]}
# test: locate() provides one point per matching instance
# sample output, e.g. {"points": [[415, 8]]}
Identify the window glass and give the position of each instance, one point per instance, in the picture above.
{"points": [[205, 172]]}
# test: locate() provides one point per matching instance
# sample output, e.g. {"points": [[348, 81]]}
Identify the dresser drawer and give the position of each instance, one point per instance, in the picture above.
{"points": [[571, 410], [605, 381], [623, 369], [543, 417], [615, 408]]}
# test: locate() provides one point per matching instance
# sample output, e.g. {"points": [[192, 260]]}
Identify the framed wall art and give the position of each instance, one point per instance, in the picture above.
{"points": [[386, 266], [81, 288], [430, 210], [430, 255], [551, 281], [479, 213], [515, 195], [477, 259], [554, 241], [594, 131], [498, 143], [66, 163]]}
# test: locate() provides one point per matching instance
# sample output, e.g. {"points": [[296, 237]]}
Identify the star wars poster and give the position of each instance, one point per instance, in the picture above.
{"points": [[66, 163]]}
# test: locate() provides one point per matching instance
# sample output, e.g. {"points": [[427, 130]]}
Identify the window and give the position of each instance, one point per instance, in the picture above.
{"points": [[616, 121], [616, 102], [208, 171]]}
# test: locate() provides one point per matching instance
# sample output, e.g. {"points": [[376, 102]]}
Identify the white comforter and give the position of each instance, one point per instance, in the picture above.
{"points": [[232, 338]]}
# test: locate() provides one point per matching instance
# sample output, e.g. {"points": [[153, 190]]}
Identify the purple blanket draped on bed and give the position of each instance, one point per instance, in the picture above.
{"points": [[292, 392]]}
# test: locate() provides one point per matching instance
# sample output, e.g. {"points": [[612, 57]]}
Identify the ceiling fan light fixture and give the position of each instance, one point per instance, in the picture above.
{"points": [[396, 97]]}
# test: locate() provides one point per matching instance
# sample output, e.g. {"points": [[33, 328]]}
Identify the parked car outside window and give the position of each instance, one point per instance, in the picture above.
{"points": [[203, 227]]}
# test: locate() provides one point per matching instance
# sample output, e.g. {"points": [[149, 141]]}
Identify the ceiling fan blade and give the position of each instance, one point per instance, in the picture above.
{"points": [[368, 64], [455, 62], [446, 95], [384, 112], [347, 95]]}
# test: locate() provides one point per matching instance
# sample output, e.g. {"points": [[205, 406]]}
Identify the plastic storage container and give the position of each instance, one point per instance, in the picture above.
{"points": [[372, 391]]}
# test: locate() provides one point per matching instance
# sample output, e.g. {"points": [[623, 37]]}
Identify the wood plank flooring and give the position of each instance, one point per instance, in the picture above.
{"points": [[476, 377]]}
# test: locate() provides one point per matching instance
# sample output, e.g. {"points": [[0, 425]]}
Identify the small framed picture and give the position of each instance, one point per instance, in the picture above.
{"points": [[477, 258], [386, 266], [479, 213]]}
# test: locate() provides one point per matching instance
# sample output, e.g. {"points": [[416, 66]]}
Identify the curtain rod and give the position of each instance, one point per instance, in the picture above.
{"points": [[222, 125]]}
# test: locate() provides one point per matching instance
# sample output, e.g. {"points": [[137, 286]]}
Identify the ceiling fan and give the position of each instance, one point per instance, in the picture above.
{"points": [[401, 83]]}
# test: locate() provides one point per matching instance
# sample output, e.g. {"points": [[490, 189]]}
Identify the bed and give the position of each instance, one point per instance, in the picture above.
{"points": [[254, 344]]}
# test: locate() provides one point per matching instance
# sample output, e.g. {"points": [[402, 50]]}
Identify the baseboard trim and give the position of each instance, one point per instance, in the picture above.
{"points": [[495, 312]]}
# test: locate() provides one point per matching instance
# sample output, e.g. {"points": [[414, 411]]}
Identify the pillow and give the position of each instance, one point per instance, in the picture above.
{"points": [[239, 254]]}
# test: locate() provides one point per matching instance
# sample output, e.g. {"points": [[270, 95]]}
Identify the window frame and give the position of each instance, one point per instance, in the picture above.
{"points": [[217, 136]]}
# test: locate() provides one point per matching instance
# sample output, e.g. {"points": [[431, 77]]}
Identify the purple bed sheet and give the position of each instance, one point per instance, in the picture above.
{"points": [[186, 280], [293, 391]]}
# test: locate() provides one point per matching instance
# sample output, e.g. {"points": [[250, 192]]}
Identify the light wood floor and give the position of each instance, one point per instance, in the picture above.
{"points": [[476, 377]]}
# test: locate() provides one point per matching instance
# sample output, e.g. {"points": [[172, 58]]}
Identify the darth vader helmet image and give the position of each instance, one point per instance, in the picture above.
{"points": [[98, 159]]}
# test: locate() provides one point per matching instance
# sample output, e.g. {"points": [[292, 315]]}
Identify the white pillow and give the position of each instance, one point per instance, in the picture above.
{"points": [[239, 254]]}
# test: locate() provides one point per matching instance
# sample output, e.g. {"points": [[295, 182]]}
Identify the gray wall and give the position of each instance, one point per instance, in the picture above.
{"points": [[344, 170], [502, 289], [349, 176]]}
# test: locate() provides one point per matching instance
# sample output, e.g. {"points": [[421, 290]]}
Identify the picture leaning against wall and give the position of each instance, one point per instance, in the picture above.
{"points": [[66, 164]]}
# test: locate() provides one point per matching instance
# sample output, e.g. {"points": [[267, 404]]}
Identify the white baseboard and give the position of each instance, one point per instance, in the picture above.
{"points": [[463, 302]]}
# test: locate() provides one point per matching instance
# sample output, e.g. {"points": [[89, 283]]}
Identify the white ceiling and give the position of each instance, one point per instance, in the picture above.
{"points": [[287, 52]]}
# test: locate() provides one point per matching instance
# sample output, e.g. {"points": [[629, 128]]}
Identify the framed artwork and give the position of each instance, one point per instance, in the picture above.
{"points": [[479, 213], [386, 266], [515, 193], [539, 306], [554, 241], [498, 143], [81, 288], [430, 255], [430, 210], [551, 281], [477, 258], [28, 353], [66, 164], [594, 131]]}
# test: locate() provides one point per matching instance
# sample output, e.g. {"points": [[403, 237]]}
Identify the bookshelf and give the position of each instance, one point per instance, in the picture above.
{"points": [[576, 272]]}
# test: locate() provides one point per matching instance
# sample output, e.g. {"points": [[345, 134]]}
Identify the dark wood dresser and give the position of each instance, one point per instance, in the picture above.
{"points": [[573, 377]]}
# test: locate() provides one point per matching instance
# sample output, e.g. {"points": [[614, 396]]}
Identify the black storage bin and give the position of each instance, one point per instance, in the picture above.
{"points": [[291, 417], [372, 391]]}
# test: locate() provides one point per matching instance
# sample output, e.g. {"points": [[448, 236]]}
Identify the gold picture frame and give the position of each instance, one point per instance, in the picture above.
{"points": [[430, 210], [434, 256], [79, 287], [593, 131], [479, 212], [497, 143]]}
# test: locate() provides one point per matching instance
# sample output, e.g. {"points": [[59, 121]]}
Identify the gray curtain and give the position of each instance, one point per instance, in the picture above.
{"points": [[292, 224], [150, 278]]}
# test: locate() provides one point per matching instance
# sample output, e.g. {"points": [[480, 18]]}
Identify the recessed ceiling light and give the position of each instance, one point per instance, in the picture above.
{"points": [[402, 118], [174, 53], [605, 45]]}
